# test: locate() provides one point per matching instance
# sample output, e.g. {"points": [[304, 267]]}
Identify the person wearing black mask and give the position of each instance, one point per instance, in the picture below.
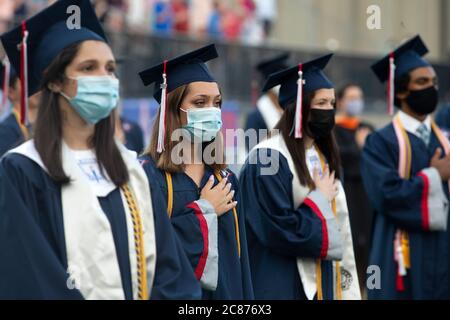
{"points": [[406, 171], [298, 229]]}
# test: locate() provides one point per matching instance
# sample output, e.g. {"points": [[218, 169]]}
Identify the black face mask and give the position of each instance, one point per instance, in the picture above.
{"points": [[321, 122], [423, 101]]}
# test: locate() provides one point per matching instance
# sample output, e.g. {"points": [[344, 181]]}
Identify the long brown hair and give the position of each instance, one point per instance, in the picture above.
{"points": [[173, 121], [296, 147], [48, 128]]}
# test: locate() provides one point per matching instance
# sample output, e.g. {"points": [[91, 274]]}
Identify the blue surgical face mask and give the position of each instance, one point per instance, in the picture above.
{"points": [[203, 124], [355, 107], [96, 98]]}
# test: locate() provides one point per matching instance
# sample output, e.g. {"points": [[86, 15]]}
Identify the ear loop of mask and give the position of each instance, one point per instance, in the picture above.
{"points": [[62, 93]]}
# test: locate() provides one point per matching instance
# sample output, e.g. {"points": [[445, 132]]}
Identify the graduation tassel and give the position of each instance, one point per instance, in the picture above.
{"points": [[24, 75], [5, 89], [162, 112], [400, 258], [390, 84], [298, 108]]}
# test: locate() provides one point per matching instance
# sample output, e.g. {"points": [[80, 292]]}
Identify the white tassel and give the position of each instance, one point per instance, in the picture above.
{"points": [[24, 76], [162, 113], [298, 107], [399, 254], [391, 85]]}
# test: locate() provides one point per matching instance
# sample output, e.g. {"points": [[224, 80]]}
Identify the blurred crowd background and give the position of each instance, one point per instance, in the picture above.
{"points": [[248, 21], [143, 32]]}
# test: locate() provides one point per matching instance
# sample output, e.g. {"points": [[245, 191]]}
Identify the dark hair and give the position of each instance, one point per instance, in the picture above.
{"points": [[400, 85], [48, 128], [296, 147], [343, 90]]}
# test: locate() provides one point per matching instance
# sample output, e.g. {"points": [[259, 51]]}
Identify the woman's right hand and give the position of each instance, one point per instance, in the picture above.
{"points": [[220, 196], [327, 184]]}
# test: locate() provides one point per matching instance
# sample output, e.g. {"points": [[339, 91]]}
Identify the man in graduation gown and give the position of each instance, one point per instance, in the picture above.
{"points": [[268, 111], [406, 173]]}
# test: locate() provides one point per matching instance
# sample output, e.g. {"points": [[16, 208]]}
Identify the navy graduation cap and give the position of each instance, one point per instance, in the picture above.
{"points": [[272, 65], [174, 73], [182, 70], [402, 60], [295, 81], [32, 46]]}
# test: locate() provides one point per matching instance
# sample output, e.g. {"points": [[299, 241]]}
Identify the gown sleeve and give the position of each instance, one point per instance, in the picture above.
{"points": [[197, 229], [174, 278], [30, 267], [310, 230], [415, 204]]}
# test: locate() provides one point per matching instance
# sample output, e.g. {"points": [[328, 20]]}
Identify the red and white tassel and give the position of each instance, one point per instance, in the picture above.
{"points": [[298, 107], [24, 75], [391, 84], [400, 258], [5, 89], [162, 112]]}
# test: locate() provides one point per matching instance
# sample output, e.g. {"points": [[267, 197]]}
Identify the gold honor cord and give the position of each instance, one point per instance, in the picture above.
{"points": [[138, 244], [170, 207], [338, 285], [236, 221], [404, 237], [169, 194]]}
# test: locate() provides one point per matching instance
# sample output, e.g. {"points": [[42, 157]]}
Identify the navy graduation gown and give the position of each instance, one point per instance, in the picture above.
{"points": [[32, 244], [399, 203], [278, 234], [10, 134], [443, 119], [134, 138], [233, 281], [254, 121]]}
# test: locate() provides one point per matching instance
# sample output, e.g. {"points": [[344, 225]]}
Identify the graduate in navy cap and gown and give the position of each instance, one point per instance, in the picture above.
{"points": [[405, 168], [78, 216], [201, 194], [268, 111], [13, 129], [298, 231]]}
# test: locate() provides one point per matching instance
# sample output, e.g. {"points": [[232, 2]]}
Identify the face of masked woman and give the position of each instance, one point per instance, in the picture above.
{"points": [[200, 114], [321, 120]]}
